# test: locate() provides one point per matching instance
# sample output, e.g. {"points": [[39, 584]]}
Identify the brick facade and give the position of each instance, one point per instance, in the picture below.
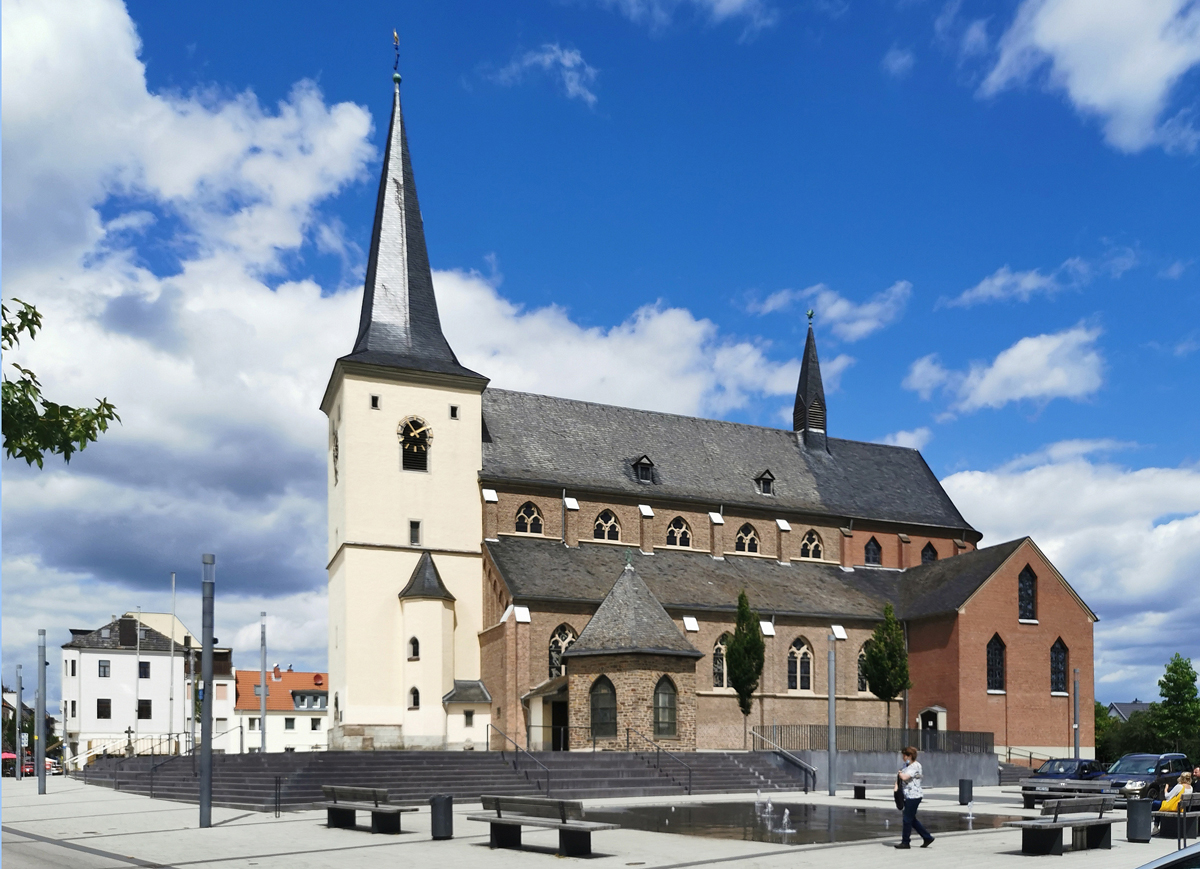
{"points": [[634, 677]]}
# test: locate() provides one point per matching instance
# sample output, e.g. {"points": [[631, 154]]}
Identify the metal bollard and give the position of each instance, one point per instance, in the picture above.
{"points": [[441, 810], [965, 788]]}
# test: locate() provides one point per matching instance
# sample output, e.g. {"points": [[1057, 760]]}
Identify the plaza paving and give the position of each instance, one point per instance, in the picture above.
{"points": [[87, 827]]}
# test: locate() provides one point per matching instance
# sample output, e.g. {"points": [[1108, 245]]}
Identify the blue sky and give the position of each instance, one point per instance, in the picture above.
{"points": [[991, 207]]}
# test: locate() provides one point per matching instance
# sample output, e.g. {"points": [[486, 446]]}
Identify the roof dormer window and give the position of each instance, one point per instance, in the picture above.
{"points": [[765, 483], [643, 470]]}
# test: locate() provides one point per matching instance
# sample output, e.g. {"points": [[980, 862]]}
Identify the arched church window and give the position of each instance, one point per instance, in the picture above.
{"points": [[1058, 667], [561, 640], [862, 669], [873, 552], [929, 554], [414, 699], [664, 707], [414, 649], [1027, 595], [800, 665], [720, 677], [995, 663], [678, 533], [607, 527], [604, 708], [529, 519], [415, 438], [810, 546], [746, 540]]}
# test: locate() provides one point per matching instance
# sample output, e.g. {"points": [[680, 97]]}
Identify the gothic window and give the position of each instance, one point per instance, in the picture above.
{"points": [[995, 664], [643, 469], [747, 539], [529, 519], [1027, 595], [810, 546], [561, 640], [607, 527], [799, 666], [1058, 667], [873, 552], [333, 448], [766, 483], [414, 649], [862, 670], [664, 707], [720, 679], [929, 554], [604, 708], [414, 699], [414, 445], [678, 533]]}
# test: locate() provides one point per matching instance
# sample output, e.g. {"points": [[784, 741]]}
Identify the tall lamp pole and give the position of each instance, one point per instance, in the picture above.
{"points": [[262, 690], [18, 749], [206, 674], [1076, 728], [39, 712], [837, 632]]}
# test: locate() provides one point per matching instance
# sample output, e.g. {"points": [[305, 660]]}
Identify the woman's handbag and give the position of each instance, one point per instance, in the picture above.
{"points": [[899, 793]]}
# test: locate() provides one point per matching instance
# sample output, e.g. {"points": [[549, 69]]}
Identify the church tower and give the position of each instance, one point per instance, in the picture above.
{"points": [[404, 558], [808, 415]]}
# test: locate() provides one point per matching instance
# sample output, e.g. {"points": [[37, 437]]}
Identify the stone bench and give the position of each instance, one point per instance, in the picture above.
{"points": [[1035, 790], [1182, 823], [343, 803], [566, 816], [1084, 816]]}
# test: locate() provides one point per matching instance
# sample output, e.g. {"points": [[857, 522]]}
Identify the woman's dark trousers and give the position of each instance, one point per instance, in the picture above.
{"points": [[911, 823]]}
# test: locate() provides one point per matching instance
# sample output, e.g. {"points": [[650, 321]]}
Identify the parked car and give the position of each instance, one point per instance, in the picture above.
{"points": [[1146, 776], [1071, 768]]}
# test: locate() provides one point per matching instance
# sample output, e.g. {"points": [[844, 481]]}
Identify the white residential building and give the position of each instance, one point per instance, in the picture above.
{"points": [[296, 709]]}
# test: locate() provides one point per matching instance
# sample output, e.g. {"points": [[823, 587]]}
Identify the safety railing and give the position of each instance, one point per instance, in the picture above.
{"points": [[815, 737], [517, 751], [1025, 758], [659, 751], [558, 737], [810, 772]]}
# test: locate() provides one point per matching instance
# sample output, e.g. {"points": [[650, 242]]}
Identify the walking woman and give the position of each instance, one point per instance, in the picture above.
{"points": [[910, 775]]}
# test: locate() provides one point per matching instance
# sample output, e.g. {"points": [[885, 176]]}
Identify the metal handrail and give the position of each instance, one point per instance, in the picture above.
{"points": [[517, 754], [809, 770], [529, 728], [659, 751]]}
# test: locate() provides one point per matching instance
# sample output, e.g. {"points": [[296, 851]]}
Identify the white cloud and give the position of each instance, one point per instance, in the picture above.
{"points": [[1005, 284], [1040, 368], [850, 321], [915, 439], [565, 64], [658, 14], [1126, 539], [898, 62], [1116, 60], [1175, 270], [968, 39]]}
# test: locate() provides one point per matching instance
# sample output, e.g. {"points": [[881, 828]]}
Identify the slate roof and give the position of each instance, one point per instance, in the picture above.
{"points": [[631, 620], [944, 585], [537, 439], [81, 638], [809, 388], [1124, 710], [468, 691], [399, 325], [426, 581]]}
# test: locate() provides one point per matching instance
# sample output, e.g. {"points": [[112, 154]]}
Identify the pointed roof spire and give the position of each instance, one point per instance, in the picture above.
{"points": [[808, 415], [399, 326], [426, 581]]}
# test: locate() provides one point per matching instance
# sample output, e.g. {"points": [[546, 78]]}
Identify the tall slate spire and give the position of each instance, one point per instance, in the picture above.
{"points": [[399, 326], [808, 416]]}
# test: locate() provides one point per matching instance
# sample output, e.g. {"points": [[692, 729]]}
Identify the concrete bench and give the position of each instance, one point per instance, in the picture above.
{"points": [[1084, 816], [1035, 790], [566, 816], [1182, 823], [862, 780], [343, 803]]}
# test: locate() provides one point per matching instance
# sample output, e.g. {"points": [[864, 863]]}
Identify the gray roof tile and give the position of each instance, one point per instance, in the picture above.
{"points": [[468, 691], [153, 642], [426, 581]]}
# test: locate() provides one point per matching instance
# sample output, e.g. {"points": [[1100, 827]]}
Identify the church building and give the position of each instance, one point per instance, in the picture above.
{"points": [[555, 573]]}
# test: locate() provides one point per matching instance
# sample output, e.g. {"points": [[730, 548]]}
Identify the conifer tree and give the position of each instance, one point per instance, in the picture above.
{"points": [[886, 661], [744, 658]]}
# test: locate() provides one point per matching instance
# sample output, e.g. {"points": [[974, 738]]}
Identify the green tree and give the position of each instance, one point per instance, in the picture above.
{"points": [[744, 655], [34, 425], [1178, 715], [885, 661]]}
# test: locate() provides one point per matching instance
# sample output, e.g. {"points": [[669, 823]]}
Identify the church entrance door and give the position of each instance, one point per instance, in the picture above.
{"points": [[561, 739]]}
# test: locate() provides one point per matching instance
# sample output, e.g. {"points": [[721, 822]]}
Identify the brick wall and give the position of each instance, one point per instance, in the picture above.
{"points": [[634, 677]]}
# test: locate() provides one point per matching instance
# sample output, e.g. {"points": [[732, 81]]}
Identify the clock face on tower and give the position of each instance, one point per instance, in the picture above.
{"points": [[415, 437]]}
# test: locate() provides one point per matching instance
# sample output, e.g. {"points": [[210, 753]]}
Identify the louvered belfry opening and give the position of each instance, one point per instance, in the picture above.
{"points": [[816, 416]]}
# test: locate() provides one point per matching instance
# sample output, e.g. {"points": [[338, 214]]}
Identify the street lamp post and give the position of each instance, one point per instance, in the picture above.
{"points": [[837, 633], [206, 675]]}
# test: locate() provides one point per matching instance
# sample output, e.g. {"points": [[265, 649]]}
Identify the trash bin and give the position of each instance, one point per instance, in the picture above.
{"points": [[441, 810], [1137, 820], [966, 787]]}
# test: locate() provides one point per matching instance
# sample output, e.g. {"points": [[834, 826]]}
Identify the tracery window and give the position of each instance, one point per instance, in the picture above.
{"points": [[746, 540], [873, 552], [561, 640], [1027, 594], [929, 554], [1058, 667], [529, 519], [995, 664], [678, 533], [799, 666], [810, 546], [604, 708], [607, 527], [664, 707], [414, 445], [720, 677]]}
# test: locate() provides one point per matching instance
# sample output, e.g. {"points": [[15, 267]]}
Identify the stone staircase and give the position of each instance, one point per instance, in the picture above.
{"points": [[1012, 773]]}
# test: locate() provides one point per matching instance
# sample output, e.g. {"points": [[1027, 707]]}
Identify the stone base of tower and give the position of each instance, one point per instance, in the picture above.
{"points": [[367, 737]]}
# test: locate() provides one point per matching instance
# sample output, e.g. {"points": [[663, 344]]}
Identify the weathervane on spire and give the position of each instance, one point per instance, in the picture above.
{"points": [[396, 65], [810, 316], [628, 559]]}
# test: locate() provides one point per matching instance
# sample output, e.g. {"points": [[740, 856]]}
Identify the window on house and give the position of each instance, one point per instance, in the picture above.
{"points": [[765, 483], [1027, 595], [799, 666], [995, 664], [604, 708], [104, 669], [73, 709], [664, 707], [862, 670], [643, 468], [561, 640], [414, 699], [144, 710], [529, 519], [1058, 666], [143, 669], [414, 445], [289, 724], [810, 546], [105, 633], [253, 724], [720, 677], [414, 532], [454, 411], [314, 723], [72, 666], [873, 552], [678, 533], [141, 633], [104, 708], [374, 402], [746, 539], [222, 691], [929, 554], [414, 649], [607, 527], [66, 668], [469, 718]]}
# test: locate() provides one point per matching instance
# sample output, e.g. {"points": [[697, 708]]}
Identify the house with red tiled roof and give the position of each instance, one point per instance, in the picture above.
{"points": [[296, 705]]}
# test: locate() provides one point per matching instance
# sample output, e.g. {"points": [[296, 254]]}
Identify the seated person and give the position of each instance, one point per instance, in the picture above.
{"points": [[1171, 800]]}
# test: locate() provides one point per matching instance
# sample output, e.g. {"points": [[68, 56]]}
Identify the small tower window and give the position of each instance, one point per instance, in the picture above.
{"points": [[604, 708], [995, 664], [414, 445], [529, 519], [799, 666], [810, 546], [929, 554], [766, 483], [414, 532], [664, 707], [643, 469], [678, 533], [414, 699], [746, 540], [414, 649], [1027, 595], [374, 402], [561, 640], [873, 552], [454, 411], [1058, 667], [607, 527], [720, 677]]}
